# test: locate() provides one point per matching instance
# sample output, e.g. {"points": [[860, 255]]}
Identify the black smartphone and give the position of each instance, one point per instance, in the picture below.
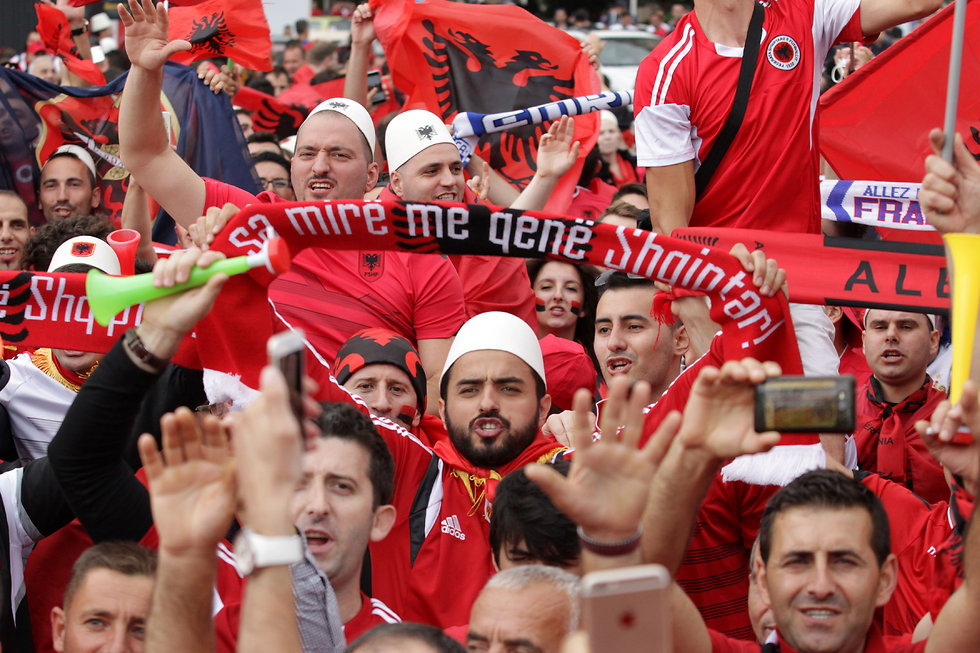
{"points": [[805, 404], [287, 351], [374, 82]]}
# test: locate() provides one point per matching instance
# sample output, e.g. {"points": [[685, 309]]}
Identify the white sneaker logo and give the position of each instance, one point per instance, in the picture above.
{"points": [[451, 525]]}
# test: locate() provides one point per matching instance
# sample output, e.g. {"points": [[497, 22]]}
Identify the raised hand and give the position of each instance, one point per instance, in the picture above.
{"points": [[960, 459], [362, 26], [950, 195], [767, 276], [148, 43], [192, 483], [606, 489], [719, 418], [556, 151]]}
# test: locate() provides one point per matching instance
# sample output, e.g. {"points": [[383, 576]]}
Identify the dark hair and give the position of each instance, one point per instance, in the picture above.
{"points": [[824, 488], [262, 85], [319, 52], [522, 512], [347, 423], [585, 324], [631, 188], [621, 208], [404, 632], [127, 558], [269, 157], [293, 44], [118, 59], [40, 247], [263, 137], [302, 25], [615, 280], [324, 76]]}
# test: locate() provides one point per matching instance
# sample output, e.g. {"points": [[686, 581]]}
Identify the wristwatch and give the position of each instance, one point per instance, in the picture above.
{"points": [[254, 551], [78, 31], [132, 341]]}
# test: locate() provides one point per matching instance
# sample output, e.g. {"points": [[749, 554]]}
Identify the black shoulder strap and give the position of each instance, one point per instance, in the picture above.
{"points": [[750, 56]]}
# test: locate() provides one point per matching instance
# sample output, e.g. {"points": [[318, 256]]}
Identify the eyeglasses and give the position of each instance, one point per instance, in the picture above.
{"points": [[279, 183]]}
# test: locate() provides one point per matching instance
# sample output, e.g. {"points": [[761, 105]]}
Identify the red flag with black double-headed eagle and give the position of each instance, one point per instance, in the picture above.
{"points": [[875, 124], [450, 57], [236, 29], [52, 25]]}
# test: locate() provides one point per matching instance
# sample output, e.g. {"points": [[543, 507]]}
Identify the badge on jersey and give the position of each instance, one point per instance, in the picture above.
{"points": [[783, 52], [371, 265]]}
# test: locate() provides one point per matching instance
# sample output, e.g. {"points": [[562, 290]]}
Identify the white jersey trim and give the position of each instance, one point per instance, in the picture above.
{"points": [[668, 65], [665, 136]]}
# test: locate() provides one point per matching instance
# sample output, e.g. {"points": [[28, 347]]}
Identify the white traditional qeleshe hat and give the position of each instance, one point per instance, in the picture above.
{"points": [[497, 331], [87, 250], [353, 112], [412, 131]]}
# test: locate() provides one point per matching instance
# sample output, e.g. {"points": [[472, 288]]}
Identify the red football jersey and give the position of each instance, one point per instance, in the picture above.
{"points": [[769, 177]]}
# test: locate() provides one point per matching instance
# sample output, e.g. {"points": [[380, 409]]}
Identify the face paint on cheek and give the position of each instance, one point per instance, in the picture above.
{"points": [[406, 414], [576, 308], [539, 305]]}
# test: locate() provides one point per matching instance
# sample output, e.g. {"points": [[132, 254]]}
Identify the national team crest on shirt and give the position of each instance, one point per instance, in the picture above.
{"points": [[371, 265], [783, 52]]}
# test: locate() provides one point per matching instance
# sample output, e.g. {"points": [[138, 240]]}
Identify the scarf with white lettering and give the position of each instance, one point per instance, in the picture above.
{"points": [[752, 325]]}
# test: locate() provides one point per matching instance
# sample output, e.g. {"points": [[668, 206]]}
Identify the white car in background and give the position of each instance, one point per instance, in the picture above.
{"points": [[621, 53]]}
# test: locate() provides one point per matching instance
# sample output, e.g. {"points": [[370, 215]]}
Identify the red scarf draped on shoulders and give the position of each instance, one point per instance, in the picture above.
{"points": [[888, 444], [481, 483]]}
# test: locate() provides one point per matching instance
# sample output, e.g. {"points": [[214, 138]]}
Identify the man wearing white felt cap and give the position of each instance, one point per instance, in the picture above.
{"points": [[492, 399], [37, 388]]}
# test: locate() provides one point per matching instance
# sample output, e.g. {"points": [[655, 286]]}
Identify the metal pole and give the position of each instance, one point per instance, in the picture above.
{"points": [[953, 83]]}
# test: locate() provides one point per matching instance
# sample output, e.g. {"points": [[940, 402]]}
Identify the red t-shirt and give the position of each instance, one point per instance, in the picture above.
{"points": [[769, 177], [918, 530], [877, 439], [333, 294], [372, 613]]}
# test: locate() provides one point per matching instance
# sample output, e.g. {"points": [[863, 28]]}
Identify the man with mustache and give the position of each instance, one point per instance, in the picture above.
{"points": [[493, 401], [899, 346]]}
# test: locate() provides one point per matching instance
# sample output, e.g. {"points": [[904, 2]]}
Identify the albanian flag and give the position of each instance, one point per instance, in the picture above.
{"points": [[875, 124], [36, 118], [236, 29], [451, 57], [52, 25]]}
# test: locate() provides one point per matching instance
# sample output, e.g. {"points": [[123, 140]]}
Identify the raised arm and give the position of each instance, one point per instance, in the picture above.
{"points": [[361, 37], [556, 156], [879, 15], [192, 492], [956, 627], [143, 141]]}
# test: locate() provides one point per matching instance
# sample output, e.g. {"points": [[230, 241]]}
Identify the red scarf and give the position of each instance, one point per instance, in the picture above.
{"points": [[480, 483], [888, 444]]}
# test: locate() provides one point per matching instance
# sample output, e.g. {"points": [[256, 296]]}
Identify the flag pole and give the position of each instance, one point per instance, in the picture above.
{"points": [[953, 83]]}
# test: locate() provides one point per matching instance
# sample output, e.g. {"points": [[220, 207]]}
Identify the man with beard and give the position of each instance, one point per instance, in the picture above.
{"points": [[492, 400]]}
